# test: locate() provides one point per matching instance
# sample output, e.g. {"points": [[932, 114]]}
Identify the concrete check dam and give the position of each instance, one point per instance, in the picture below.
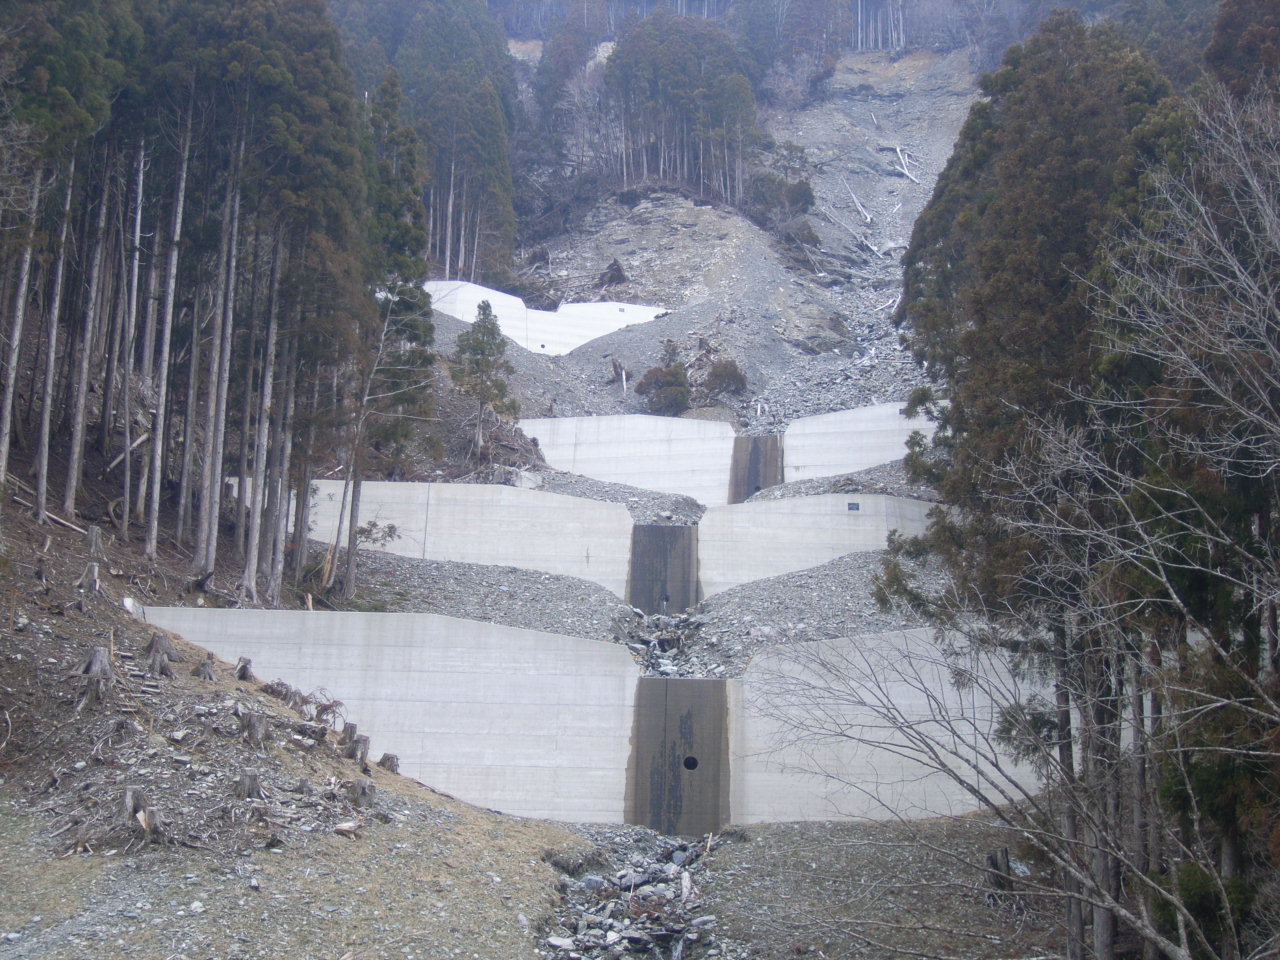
{"points": [[543, 725]]}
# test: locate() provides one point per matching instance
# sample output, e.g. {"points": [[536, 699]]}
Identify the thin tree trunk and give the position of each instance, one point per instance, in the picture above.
{"points": [[207, 524], [275, 580], [80, 403], [249, 580], [51, 356], [15, 329], [158, 426], [1070, 824], [131, 327]]}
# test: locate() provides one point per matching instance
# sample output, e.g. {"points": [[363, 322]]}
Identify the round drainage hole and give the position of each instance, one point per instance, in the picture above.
{"points": [[691, 763]]}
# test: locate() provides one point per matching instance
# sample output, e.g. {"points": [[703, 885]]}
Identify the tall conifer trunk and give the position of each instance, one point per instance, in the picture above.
{"points": [[51, 348], [158, 426], [15, 328], [80, 402]]}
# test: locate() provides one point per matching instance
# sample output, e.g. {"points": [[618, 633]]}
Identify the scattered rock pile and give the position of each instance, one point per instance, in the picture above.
{"points": [[720, 637], [644, 900], [506, 595], [889, 479], [645, 506]]}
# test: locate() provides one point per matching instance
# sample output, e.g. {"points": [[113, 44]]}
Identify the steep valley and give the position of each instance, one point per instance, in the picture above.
{"points": [[343, 860]]}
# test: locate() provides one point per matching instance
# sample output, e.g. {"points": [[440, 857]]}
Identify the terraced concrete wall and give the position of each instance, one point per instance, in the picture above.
{"points": [[493, 524], [540, 331], [767, 538], [531, 723], [848, 440], [541, 725], [704, 460], [809, 738], [692, 457]]}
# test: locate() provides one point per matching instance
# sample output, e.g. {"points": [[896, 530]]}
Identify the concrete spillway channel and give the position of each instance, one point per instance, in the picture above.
{"points": [[544, 725]]}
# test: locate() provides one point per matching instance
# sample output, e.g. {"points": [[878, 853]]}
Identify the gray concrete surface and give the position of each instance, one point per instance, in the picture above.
{"points": [[766, 538], [542, 725], [492, 524], [690, 457], [848, 440], [530, 723], [817, 732]]}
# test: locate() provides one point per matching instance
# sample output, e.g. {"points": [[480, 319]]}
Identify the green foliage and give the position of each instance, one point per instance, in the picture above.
{"points": [[74, 60], [1174, 33], [667, 389], [479, 367], [1197, 889], [567, 52], [681, 87], [1244, 53], [725, 377], [994, 303]]}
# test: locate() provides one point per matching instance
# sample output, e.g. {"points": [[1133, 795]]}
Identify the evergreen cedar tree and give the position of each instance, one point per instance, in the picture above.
{"points": [[994, 303], [261, 208], [1244, 54], [1003, 278]]}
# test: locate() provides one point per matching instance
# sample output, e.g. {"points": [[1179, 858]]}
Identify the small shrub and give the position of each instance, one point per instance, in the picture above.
{"points": [[725, 377], [667, 389]]}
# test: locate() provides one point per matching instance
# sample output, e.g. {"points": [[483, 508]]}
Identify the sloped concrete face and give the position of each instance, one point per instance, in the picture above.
{"points": [[811, 737], [691, 457], [530, 723], [539, 331], [848, 440], [752, 541], [493, 524]]}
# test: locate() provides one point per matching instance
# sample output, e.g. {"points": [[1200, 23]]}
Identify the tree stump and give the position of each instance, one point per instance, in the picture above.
{"points": [[303, 787], [244, 670], [316, 731], [347, 735], [152, 825], [97, 673], [93, 542], [204, 669], [159, 666], [390, 762], [998, 877], [361, 792], [159, 643], [132, 801], [89, 582], [141, 818], [249, 786], [253, 727], [357, 750]]}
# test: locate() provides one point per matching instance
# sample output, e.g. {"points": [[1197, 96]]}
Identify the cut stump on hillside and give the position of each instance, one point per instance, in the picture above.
{"points": [[96, 670]]}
